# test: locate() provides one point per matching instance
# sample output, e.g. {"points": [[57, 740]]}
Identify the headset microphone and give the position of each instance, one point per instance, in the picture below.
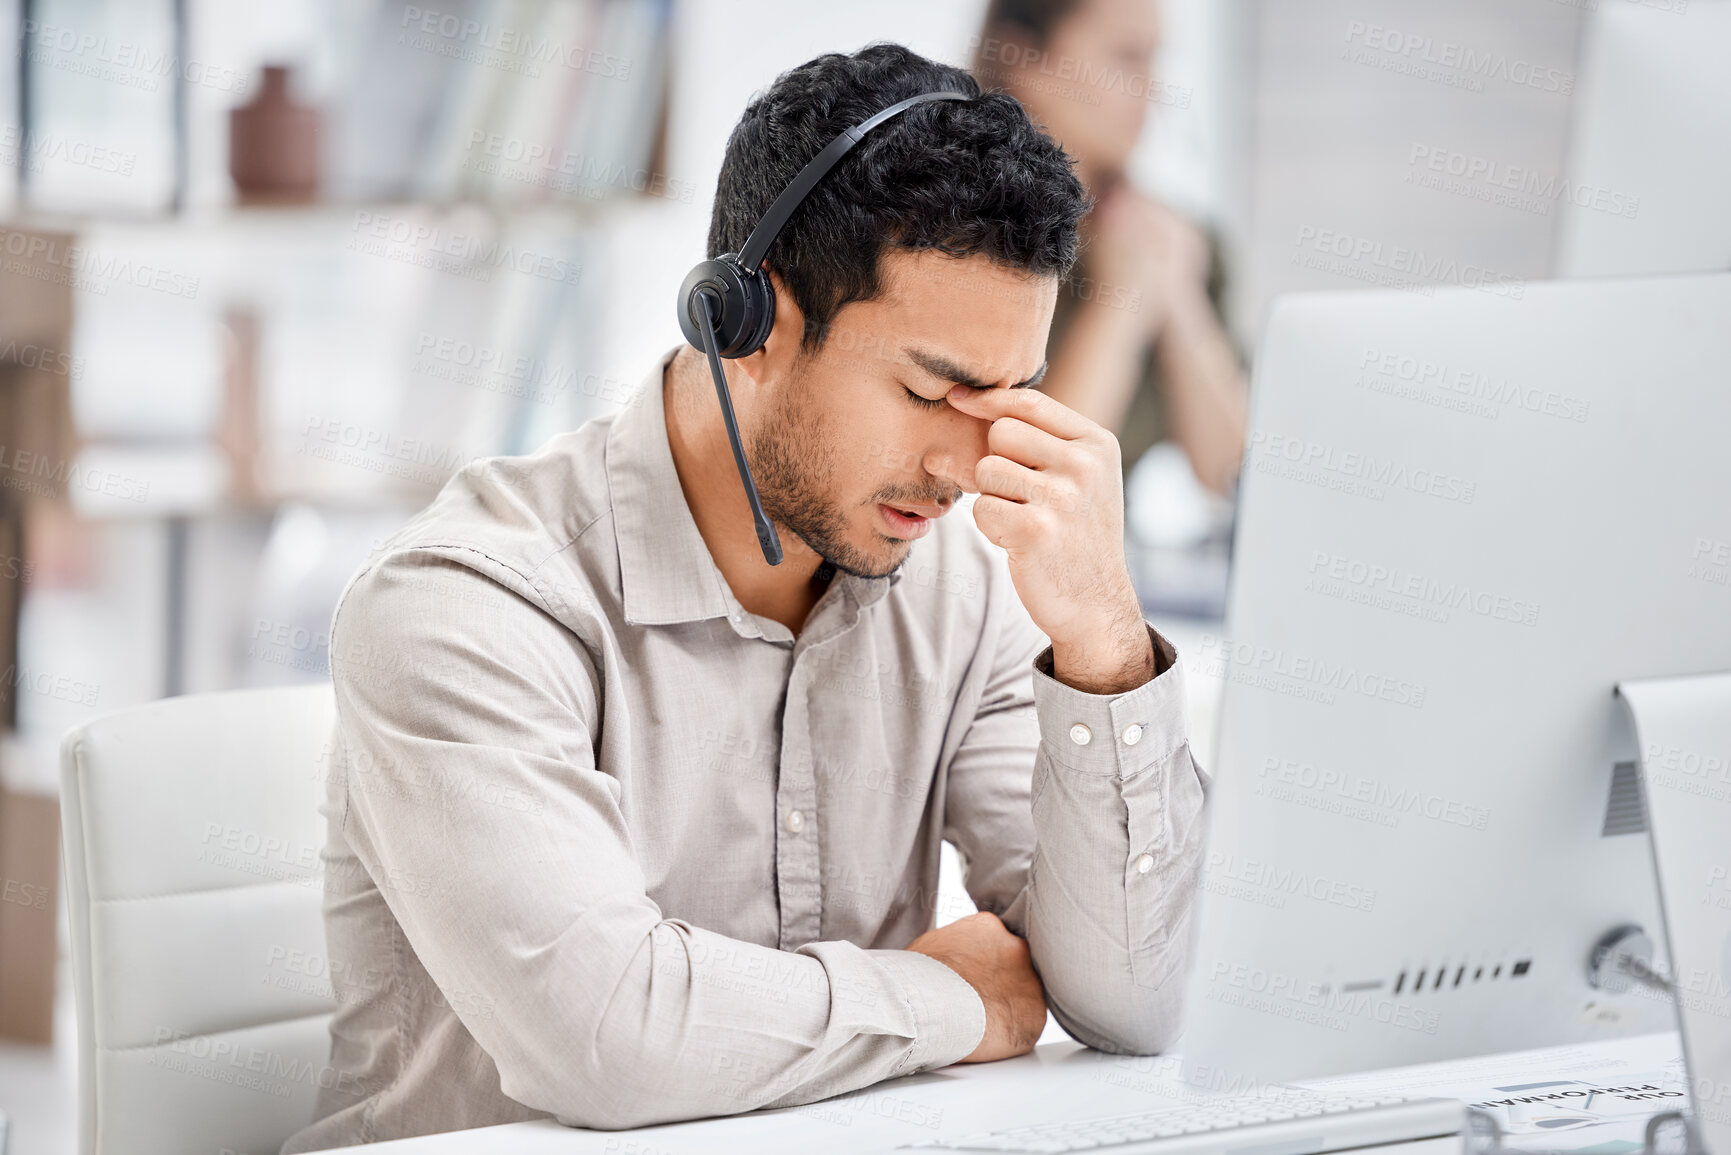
{"points": [[727, 306]]}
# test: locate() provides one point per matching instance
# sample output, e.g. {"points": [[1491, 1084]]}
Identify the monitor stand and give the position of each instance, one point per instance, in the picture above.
{"points": [[1683, 732]]}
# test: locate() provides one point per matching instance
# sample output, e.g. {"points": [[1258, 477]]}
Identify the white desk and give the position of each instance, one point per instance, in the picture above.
{"points": [[1058, 1080]]}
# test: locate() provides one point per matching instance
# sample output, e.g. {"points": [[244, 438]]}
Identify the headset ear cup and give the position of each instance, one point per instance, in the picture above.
{"points": [[762, 310], [717, 279], [747, 306]]}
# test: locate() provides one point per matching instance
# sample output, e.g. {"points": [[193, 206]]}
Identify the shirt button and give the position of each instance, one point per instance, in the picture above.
{"points": [[1080, 734], [1145, 864], [1132, 734], [795, 821]]}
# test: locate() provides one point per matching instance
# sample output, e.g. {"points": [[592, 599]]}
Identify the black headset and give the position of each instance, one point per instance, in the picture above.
{"points": [[727, 307]]}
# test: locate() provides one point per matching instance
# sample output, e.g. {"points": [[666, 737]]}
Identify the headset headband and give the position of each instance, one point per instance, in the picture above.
{"points": [[757, 244]]}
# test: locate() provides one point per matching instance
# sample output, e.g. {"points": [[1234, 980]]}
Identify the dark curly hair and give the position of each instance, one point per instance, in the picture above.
{"points": [[961, 177]]}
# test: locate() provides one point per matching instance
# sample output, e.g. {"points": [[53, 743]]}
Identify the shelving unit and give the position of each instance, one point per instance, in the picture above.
{"points": [[444, 300]]}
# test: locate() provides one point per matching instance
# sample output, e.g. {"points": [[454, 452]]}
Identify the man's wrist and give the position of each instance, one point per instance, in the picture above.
{"points": [[1112, 659]]}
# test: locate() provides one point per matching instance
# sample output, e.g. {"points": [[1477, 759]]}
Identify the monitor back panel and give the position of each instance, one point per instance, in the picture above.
{"points": [[1465, 518]]}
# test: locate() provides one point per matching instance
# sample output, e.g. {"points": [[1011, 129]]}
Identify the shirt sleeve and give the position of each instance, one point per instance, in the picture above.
{"points": [[602, 1011], [1095, 857]]}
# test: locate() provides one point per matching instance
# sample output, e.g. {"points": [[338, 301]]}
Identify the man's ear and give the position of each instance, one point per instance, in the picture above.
{"points": [[781, 350]]}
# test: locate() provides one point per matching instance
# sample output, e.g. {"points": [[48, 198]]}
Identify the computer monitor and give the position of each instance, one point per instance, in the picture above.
{"points": [[1643, 192], [1465, 517]]}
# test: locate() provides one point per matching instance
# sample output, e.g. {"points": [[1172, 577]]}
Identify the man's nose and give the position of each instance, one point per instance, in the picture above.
{"points": [[955, 457]]}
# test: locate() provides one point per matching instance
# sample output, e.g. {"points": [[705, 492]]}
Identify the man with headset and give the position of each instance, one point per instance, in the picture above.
{"points": [[634, 818]]}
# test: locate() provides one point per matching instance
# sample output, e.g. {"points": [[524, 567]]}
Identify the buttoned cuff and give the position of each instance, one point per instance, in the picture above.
{"points": [[949, 1018], [1116, 734]]}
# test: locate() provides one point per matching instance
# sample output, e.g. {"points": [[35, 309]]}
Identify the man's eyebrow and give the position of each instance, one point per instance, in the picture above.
{"points": [[942, 367]]}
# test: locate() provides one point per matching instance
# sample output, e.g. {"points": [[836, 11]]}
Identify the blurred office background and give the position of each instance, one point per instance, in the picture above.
{"points": [[271, 272]]}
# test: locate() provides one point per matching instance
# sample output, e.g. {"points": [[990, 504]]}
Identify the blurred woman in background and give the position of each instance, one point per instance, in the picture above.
{"points": [[1136, 342]]}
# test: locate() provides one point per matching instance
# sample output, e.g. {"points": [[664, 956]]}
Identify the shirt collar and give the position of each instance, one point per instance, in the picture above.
{"points": [[666, 573]]}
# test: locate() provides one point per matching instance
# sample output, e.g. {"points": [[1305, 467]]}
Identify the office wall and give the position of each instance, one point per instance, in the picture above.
{"points": [[1349, 104], [1650, 152]]}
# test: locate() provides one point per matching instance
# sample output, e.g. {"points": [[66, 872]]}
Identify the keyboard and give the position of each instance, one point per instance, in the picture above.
{"points": [[1288, 1121]]}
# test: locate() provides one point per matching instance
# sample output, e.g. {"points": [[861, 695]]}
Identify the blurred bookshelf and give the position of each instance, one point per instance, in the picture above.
{"points": [[123, 107], [267, 378]]}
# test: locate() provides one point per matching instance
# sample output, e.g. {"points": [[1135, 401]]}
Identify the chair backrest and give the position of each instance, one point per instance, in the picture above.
{"points": [[191, 838]]}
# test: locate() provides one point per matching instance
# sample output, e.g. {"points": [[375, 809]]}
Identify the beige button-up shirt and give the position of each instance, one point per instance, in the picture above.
{"points": [[604, 846]]}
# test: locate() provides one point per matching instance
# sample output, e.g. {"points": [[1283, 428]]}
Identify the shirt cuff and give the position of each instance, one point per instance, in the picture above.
{"points": [[1113, 734], [949, 1018]]}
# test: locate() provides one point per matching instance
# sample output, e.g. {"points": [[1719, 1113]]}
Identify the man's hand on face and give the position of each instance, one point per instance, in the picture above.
{"points": [[1051, 494]]}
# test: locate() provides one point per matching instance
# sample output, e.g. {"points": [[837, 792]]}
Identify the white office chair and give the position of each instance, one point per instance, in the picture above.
{"points": [[191, 839]]}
